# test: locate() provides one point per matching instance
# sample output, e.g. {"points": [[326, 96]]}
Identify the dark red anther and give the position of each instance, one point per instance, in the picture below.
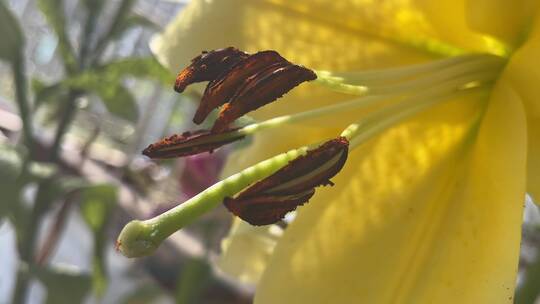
{"points": [[191, 143], [220, 90], [268, 200], [266, 210], [262, 88], [208, 66]]}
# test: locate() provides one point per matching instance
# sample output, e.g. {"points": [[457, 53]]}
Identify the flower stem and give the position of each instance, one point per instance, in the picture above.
{"points": [[65, 121], [22, 100]]}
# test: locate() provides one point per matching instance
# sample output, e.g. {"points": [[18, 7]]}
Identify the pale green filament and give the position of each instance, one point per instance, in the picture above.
{"points": [[377, 122], [367, 101], [415, 70], [357, 103], [140, 238], [407, 79]]}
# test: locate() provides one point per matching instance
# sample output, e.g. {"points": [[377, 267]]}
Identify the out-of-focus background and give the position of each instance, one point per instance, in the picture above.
{"points": [[80, 77], [80, 96]]}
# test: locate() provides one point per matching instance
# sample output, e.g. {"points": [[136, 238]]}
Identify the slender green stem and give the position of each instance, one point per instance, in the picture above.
{"points": [[22, 100], [65, 121], [123, 9], [88, 33], [21, 285], [139, 238], [27, 242]]}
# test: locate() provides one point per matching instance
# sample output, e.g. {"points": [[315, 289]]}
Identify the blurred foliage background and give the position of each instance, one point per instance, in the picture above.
{"points": [[80, 96]]}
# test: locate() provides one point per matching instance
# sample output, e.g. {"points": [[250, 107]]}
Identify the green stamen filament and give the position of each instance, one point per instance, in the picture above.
{"points": [[409, 70], [408, 79], [377, 122], [364, 102]]}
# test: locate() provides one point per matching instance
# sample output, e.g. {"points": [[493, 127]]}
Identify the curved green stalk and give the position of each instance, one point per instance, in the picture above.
{"points": [[140, 238]]}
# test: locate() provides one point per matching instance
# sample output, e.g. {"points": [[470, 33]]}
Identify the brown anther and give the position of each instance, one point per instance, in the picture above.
{"points": [[268, 200], [220, 90], [262, 88], [191, 143], [266, 210], [208, 66]]}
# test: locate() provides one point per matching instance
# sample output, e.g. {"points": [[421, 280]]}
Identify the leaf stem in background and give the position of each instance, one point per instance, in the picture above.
{"points": [[27, 242], [88, 33], [23, 278], [53, 236], [65, 121], [22, 100], [123, 9]]}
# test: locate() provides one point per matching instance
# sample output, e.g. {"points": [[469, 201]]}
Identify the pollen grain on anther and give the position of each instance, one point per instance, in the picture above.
{"points": [[208, 66], [191, 143], [220, 90]]}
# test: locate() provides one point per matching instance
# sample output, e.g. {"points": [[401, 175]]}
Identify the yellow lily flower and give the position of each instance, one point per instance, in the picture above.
{"points": [[427, 212]]}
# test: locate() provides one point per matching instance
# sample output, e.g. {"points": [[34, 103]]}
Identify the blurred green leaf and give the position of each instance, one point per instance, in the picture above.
{"points": [[54, 13], [122, 12], [131, 22], [46, 94], [39, 171], [12, 37], [118, 100], [59, 186], [64, 284], [140, 67], [10, 163], [10, 168], [145, 293], [93, 6], [106, 82], [195, 275], [97, 203]]}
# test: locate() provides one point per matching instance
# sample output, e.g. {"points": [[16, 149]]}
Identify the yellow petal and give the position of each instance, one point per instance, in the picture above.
{"points": [[523, 73], [300, 37], [506, 20], [449, 20], [427, 213], [247, 249], [321, 34]]}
